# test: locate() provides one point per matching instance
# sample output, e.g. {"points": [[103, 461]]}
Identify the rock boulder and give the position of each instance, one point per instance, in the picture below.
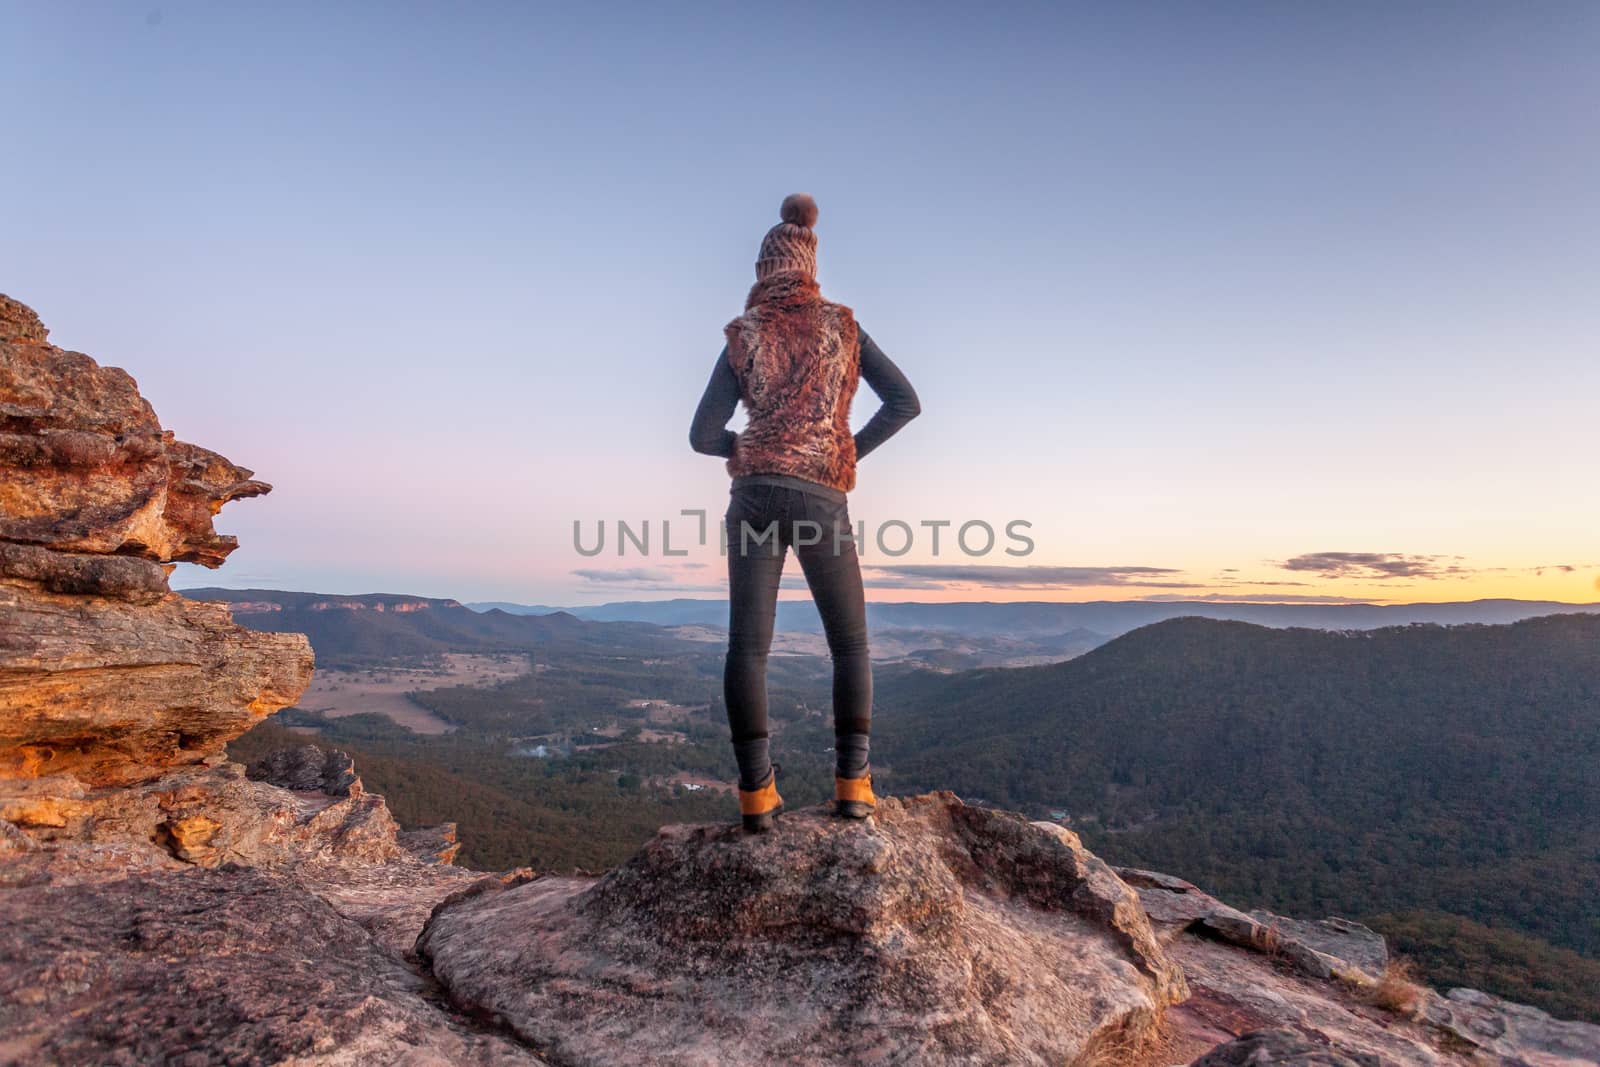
{"points": [[935, 933]]}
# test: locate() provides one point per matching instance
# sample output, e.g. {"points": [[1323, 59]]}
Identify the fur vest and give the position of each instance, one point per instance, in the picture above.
{"points": [[798, 361]]}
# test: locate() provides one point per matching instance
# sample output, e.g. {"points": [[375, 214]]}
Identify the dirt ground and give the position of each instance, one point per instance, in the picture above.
{"points": [[337, 693]]}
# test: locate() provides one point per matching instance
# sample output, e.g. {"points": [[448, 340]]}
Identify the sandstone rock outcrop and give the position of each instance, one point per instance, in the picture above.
{"points": [[309, 769], [936, 933], [114, 693], [1501, 1029], [1326, 948], [117, 696], [1310, 993], [158, 905], [237, 966], [85, 465], [105, 675]]}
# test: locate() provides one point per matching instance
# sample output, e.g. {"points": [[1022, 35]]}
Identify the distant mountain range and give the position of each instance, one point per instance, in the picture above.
{"points": [[1109, 618], [385, 627], [376, 627]]}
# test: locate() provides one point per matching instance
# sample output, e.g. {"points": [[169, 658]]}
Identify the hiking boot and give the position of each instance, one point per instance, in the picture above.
{"points": [[758, 806], [852, 797]]}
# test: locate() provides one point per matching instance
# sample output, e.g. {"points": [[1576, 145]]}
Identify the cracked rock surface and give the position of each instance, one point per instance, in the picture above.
{"points": [[933, 933]]}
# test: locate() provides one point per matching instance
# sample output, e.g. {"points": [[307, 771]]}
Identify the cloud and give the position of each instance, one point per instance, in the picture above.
{"points": [[1539, 569], [624, 574], [1256, 581], [1350, 566], [870, 581], [1254, 598], [1391, 566], [644, 579], [946, 575], [1376, 566]]}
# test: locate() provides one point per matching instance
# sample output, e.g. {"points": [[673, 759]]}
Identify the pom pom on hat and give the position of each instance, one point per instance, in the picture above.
{"points": [[799, 210], [791, 245]]}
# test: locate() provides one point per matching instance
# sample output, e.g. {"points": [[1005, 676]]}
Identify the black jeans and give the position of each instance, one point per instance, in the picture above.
{"points": [[763, 523]]}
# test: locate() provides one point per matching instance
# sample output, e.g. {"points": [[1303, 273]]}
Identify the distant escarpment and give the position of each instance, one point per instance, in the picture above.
{"points": [[160, 904], [382, 628]]}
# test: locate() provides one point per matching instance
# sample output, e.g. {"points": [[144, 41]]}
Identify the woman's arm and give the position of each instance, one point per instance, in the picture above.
{"points": [[709, 432], [900, 404]]}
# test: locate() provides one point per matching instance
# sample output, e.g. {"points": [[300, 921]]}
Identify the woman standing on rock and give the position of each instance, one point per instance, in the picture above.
{"points": [[795, 361]]}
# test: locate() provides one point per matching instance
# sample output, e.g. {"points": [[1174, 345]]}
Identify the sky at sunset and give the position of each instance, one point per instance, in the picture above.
{"points": [[1224, 300]]}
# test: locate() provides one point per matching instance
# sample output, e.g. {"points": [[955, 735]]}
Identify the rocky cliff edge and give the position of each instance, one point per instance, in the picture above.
{"points": [[159, 904]]}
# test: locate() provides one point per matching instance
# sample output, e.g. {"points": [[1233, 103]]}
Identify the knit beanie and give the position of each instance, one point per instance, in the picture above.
{"points": [[792, 243]]}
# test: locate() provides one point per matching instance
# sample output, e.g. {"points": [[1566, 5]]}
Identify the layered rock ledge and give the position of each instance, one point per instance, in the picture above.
{"points": [[86, 467], [1324, 994], [107, 678]]}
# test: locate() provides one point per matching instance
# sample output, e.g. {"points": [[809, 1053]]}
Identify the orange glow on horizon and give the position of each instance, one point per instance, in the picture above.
{"points": [[1563, 588]]}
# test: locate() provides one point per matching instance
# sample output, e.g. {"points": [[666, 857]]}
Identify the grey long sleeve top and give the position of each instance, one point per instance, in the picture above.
{"points": [[710, 434]]}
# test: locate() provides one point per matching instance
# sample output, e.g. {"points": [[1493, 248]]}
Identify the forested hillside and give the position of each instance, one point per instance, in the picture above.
{"points": [[1440, 772]]}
